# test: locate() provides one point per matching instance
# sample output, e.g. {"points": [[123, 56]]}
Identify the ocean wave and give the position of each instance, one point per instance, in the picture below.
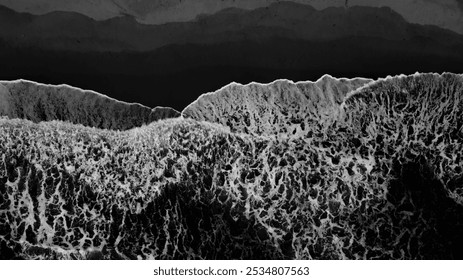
{"points": [[378, 179]]}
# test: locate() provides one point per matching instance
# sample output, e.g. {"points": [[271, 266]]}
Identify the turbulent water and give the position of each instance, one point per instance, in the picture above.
{"points": [[336, 169]]}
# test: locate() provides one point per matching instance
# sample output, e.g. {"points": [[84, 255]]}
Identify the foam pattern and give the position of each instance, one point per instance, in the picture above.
{"points": [[379, 179]]}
